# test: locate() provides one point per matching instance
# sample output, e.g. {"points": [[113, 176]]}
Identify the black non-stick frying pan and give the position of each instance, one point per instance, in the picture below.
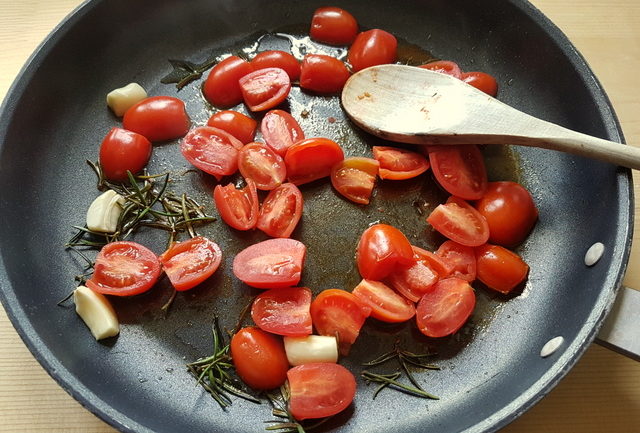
{"points": [[491, 371]]}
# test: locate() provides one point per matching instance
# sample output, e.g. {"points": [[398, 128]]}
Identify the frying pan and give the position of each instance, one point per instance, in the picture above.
{"points": [[491, 372]]}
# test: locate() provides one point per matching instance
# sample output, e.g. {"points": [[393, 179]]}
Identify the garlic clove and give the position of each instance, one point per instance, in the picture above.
{"points": [[104, 212], [96, 311], [123, 98], [312, 348]]}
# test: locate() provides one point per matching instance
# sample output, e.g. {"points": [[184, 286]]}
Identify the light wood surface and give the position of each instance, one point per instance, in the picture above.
{"points": [[601, 394]]}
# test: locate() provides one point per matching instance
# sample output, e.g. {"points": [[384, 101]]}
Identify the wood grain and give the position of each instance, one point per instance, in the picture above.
{"points": [[601, 394]]}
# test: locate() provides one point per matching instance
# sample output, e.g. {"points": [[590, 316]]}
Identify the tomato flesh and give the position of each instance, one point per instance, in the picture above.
{"points": [[323, 74], [312, 159], [333, 25], [397, 163], [235, 123], [443, 310], [123, 151], [259, 358], [371, 48], [212, 150], [355, 178], [499, 268], [265, 88], [381, 249], [415, 280], [237, 207], [280, 130], [283, 311], [271, 264], [386, 304], [189, 263], [159, 118], [444, 67], [461, 258], [281, 211], [460, 222], [277, 59], [222, 87], [260, 163], [459, 170]]}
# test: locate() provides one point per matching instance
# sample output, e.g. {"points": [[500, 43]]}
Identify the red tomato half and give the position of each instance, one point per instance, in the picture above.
{"points": [[280, 130], [259, 358], [373, 47], [281, 211], [235, 123], [461, 258], [355, 178], [319, 389], [460, 222], [158, 118], [381, 249], [500, 269], [265, 88], [481, 81], [444, 67], [312, 159], [334, 26], [212, 150], [415, 280], [124, 269], [283, 311], [459, 170], [277, 59], [271, 264], [237, 207], [323, 74], [123, 151], [259, 162], [397, 163], [443, 310], [222, 87], [339, 314], [386, 304], [189, 263]]}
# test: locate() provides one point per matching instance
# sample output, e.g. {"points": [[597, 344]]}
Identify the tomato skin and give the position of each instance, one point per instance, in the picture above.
{"points": [[499, 268], [510, 212], [460, 222], [459, 170], [222, 87], [235, 123], [333, 25], [320, 389], [371, 48], [386, 304], [281, 211], [189, 263], [444, 67], [259, 162], [280, 130], [277, 59], [461, 258], [265, 88], [237, 207], [397, 163], [283, 311], [323, 74], [443, 310], [312, 159], [259, 358], [159, 118], [271, 264], [381, 249], [481, 81], [355, 178], [123, 269], [212, 150], [123, 151]]}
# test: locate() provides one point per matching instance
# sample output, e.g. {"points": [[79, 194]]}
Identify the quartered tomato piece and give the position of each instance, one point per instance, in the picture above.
{"points": [[271, 264], [237, 207], [281, 211], [235, 123], [312, 159], [323, 74], [499, 268], [355, 178], [277, 59], [283, 311], [333, 25], [260, 163], [460, 222], [212, 150], [280, 130], [461, 258], [381, 249], [397, 163], [222, 87], [265, 88], [386, 304], [459, 170], [444, 67], [123, 151], [371, 48], [443, 310], [481, 81], [415, 280], [189, 263], [158, 118], [259, 358]]}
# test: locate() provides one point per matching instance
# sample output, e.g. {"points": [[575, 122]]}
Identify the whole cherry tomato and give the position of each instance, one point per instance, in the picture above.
{"points": [[277, 59], [499, 268], [373, 47], [334, 26], [222, 87], [123, 151], [323, 74], [158, 118], [481, 81], [235, 123], [259, 358]]}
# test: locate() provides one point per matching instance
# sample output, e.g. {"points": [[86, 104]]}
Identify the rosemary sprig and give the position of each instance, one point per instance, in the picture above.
{"points": [[185, 71], [390, 380]]}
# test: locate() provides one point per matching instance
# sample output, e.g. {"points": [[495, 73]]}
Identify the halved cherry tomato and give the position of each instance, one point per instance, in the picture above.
{"points": [[212, 150], [461, 258], [443, 310], [259, 162], [283, 311], [460, 222], [158, 118], [312, 159], [386, 304], [277, 59], [499, 268], [381, 249], [397, 163], [265, 88], [319, 389], [444, 67], [271, 264], [280, 130], [237, 207], [432, 260], [280, 211], [415, 280], [123, 151], [123, 269], [373, 47], [235, 123], [481, 81], [259, 358], [339, 314], [355, 178], [189, 263], [510, 212], [323, 74], [333, 25], [222, 87], [459, 170]]}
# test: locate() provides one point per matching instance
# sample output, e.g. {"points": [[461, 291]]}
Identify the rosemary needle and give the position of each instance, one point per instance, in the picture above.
{"points": [[390, 380]]}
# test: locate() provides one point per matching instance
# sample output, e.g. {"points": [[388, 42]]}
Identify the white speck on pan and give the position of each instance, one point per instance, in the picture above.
{"points": [[593, 254], [551, 346]]}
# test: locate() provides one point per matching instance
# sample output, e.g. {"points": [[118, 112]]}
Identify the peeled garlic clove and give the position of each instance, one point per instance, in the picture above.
{"points": [[96, 311], [104, 212], [312, 348], [120, 100]]}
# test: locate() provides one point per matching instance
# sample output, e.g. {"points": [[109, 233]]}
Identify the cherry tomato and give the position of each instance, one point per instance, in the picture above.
{"points": [[123, 269], [459, 170], [265, 88], [271, 264], [189, 263], [319, 389], [323, 74], [123, 151], [334, 26], [499, 268], [259, 358], [461, 258], [397, 163], [280, 211], [443, 310], [222, 87], [259, 162], [415, 280], [212, 150], [386, 304], [481, 81], [444, 67], [280, 130], [312, 159], [371, 48], [158, 118], [460, 222], [283, 311], [339, 314], [510, 212], [277, 59], [381, 249], [235, 123], [237, 207], [355, 178], [434, 261]]}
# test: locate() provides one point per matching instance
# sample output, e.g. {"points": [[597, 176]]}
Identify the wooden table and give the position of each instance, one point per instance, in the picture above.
{"points": [[601, 394]]}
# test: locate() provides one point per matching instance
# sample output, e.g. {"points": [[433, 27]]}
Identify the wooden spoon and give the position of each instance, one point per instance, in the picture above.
{"points": [[413, 105]]}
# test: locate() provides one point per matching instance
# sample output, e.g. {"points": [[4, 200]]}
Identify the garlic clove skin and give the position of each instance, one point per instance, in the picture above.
{"points": [[104, 212], [123, 98], [312, 348], [96, 311]]}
